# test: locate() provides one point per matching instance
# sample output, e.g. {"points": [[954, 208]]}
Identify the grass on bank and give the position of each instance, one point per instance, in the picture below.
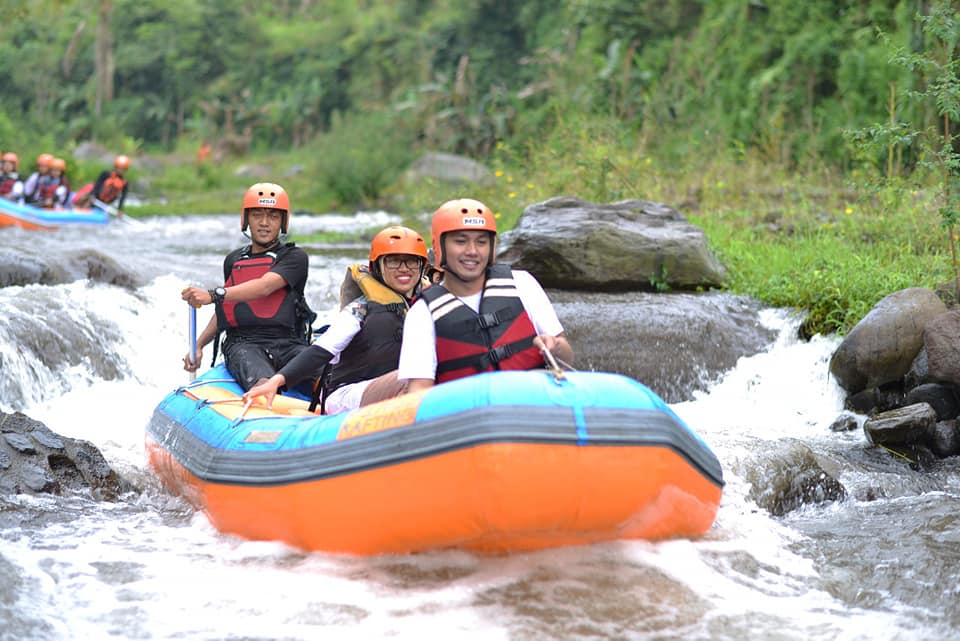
{"points": [[808, 240]]}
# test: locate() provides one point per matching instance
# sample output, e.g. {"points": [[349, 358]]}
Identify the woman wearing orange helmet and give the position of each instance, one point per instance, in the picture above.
{"points": [[11, 187], [261, 306], [362, 344], [111, 185], [481, 316]]}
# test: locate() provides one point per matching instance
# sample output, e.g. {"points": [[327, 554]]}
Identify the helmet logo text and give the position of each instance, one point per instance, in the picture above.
{"points": [[266, 201], [474, 220]]}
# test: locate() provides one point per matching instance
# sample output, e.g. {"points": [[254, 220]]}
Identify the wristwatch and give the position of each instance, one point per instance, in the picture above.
{"points": [[217, 295]]}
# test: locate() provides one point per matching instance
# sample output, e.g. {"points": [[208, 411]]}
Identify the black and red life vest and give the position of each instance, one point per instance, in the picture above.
{"points": [[7, 181], [112, 188], [47, 188], [277, 310], [500, 337]]}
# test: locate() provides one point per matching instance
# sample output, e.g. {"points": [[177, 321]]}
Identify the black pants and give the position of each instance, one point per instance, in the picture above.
{"points": [[250, 359]]}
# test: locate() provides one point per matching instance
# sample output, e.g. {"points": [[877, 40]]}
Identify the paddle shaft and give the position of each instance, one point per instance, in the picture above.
{"points": [[192, 333], [110, 209]]}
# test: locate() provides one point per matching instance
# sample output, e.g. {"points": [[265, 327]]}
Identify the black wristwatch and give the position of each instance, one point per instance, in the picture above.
{"points": [[217, 295]]}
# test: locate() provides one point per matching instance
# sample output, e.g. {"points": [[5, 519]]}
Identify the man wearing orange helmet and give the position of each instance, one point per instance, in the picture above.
{"points": [[362, 344], [482, 316], [11, 187], [261, 306], [30, 186], [110, 186]]}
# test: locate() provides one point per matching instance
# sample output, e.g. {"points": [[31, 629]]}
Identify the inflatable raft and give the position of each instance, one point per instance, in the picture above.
{"points": [[498, 462], [30, 217]]}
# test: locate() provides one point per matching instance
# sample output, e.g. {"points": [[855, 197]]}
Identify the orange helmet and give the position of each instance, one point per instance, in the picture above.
{"points": [[58, 163], [12, 157], [43, 160], [397, 240], [121, 162], [461, 214], [266, 195]]}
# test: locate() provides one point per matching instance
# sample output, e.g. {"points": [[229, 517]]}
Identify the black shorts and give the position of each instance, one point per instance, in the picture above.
{"points": [[250, 359]]}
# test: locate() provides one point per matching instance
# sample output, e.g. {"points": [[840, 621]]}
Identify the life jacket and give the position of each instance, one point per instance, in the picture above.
{"points": [[500, 337], [375, 350], [47, 188], [278, 311], [7, 181], [112, 187]]}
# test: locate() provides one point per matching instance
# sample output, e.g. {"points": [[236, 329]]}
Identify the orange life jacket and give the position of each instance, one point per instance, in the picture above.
{"points": [[112, 187]]}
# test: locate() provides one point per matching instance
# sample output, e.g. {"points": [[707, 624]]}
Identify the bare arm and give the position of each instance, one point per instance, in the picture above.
{"points": [[556, 345], [418, 384]]}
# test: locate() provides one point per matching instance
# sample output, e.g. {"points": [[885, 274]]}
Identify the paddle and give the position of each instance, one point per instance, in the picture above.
{"points": [[192, 333], [110, 209], [116, 213]]}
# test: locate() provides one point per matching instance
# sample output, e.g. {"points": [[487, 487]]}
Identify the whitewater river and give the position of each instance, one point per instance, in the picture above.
{"points": [[91, 358]]}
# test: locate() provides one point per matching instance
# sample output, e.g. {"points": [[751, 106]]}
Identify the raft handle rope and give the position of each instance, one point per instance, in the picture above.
{"points": [[203, 381]]}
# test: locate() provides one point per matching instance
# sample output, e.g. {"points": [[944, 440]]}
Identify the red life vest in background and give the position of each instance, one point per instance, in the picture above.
{"points": [[500, 337], [112, 187], [47, 188]]}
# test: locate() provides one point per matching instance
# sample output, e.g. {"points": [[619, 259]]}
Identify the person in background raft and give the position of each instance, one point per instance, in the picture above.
{"points": [[110, 186], [33, 180], [11, 187], [362, 345], [481, 316], [52, 189], [261, 306]]}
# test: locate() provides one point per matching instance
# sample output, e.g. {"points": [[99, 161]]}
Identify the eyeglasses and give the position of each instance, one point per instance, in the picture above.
{"points": [[410, 262]]}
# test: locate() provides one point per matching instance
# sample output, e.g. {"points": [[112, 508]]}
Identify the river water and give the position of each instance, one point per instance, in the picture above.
{"points": [[92, 350]]}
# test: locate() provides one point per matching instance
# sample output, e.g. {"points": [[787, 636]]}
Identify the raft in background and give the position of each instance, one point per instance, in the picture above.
{"points": [[498, 462], [37, 218]]}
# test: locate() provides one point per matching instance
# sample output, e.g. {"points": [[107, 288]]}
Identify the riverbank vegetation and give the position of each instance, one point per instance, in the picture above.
{"points": [[811, 141]]}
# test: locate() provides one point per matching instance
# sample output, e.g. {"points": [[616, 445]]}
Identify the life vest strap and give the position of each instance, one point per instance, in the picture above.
{"points": [[488, 360]]}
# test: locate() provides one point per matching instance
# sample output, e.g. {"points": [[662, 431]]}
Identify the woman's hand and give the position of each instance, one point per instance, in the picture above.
{"points": [[267, 389]]}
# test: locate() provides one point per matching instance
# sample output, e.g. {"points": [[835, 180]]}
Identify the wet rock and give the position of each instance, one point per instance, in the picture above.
{"points": [[788, 480], [674, 343], [941, 340], [35, 460], [944, 438], [876, 399], [909, 424], [942, 398], [883, 345], [919, 372], [28, 267], [845, 423], [632, 245]]}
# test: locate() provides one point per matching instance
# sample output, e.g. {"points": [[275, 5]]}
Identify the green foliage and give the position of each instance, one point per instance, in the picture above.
{"points": [[361, 155]]}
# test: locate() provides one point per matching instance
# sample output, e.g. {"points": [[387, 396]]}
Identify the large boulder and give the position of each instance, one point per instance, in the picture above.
{"points": [[883, 345], [941, 341], [35, 460], [631, 245], [674, 343], [448, 168]]}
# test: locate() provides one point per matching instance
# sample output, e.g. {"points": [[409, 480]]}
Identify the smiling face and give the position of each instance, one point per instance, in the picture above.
{"points": [[401, 272], [466, 257], [264, 225]]}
